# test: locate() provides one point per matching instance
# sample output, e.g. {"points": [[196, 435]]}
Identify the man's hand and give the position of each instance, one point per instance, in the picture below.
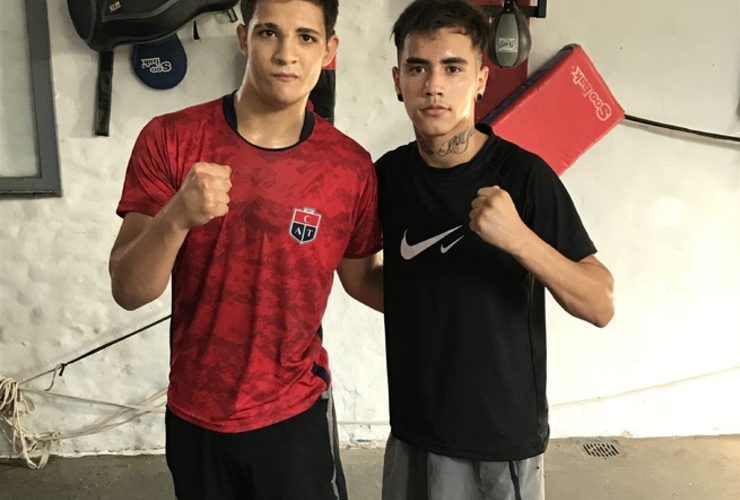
{"points": [[584, 288], [494, 218], [146, 247], [204, 195]]}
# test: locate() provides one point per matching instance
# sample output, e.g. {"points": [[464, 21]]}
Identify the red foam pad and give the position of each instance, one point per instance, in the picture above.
{"points": [[560, 111]]}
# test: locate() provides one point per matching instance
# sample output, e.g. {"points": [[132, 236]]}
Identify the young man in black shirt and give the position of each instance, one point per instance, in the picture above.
{"points": [[475, 228]]}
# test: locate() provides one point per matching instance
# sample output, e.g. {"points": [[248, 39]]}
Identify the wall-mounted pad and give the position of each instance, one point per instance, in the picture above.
{"points": [[560, 111], [160, 65]]}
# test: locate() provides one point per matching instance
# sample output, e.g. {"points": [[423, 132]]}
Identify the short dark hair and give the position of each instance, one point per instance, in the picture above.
{"points": [[330, 8], [425, 17]]}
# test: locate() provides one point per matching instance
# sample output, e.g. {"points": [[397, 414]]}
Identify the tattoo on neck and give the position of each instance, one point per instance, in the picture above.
{"points": [[425, 148], [458, 144]]}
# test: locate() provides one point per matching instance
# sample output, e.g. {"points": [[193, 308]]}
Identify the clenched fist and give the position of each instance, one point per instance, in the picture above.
{"points": [[204, 194], [494, 218]]}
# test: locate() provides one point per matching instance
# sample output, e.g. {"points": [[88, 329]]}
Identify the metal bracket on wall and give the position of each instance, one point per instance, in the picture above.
{"points": [[539, 10]]}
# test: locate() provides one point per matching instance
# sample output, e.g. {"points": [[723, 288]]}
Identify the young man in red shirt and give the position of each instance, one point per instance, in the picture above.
{"points": [[250, 203]]}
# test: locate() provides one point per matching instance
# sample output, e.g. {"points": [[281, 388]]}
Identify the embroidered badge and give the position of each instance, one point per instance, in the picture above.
{"points": [[304, 225]]}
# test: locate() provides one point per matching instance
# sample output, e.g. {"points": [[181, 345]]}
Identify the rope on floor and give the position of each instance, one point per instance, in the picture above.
{"points": [[13, 406], [16, 404]]}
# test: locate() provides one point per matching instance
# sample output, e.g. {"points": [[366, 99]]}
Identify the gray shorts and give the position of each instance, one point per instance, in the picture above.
{"points": [[411, 473]]}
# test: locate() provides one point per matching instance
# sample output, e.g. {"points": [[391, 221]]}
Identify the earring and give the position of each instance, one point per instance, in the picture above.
{"points": [[479, 98], [400, 97]]}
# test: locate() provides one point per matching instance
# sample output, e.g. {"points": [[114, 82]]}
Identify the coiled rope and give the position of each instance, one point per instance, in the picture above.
{"points": [[16, 404]]}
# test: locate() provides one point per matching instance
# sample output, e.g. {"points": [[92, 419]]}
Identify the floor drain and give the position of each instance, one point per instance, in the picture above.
{"points": [[601, 450]]}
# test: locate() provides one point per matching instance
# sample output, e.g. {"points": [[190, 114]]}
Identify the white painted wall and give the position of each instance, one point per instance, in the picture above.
{"points": [[663, 210]]}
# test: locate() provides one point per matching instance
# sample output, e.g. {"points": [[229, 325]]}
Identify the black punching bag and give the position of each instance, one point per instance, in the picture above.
{"points": [[510, 39]]}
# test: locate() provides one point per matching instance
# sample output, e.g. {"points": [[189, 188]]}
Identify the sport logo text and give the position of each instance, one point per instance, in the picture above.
{"points": [[156, 65], [304, 224], [603, 110]]}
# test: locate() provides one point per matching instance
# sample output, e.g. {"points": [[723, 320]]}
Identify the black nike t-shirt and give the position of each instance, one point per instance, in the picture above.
{"points": [[464, 321]]}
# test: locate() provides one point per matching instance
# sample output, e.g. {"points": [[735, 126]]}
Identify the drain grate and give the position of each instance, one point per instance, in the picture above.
{"points": [[601, 450]]}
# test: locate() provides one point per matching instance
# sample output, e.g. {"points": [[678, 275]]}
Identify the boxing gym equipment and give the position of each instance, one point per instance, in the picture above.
{"points": [[160, 65], [558, 113], [105, 24], [561, 110], [504, 80], [510, 40]]}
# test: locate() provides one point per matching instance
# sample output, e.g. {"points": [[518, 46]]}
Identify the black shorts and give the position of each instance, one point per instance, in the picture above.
{"points": [[290, 460]]}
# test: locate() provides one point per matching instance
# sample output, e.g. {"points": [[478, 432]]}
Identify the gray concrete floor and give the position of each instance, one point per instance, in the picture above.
{"points": [[644, 469]]}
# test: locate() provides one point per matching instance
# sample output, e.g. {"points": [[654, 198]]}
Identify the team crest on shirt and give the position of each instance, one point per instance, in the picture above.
{"points": [[304, 225]]}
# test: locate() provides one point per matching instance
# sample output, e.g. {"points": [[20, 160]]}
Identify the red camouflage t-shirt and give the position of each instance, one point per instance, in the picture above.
{"points": [[250, 289]]}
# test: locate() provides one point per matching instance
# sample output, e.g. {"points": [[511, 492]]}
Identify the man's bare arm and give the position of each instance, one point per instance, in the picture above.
{"points": [[142, 258], [145, 250], [584, 289], [362, 279]]}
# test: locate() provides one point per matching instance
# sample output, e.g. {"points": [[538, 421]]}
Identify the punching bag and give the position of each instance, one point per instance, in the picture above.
{"points": [[501, 81], [510, 41]]}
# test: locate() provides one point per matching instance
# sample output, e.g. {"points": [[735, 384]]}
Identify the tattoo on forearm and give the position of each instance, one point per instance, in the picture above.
{"points": [[458, 144]]}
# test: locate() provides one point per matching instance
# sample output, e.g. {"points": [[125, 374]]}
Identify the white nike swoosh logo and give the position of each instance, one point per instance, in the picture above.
{"points": [[445, 249], [408, 252]]}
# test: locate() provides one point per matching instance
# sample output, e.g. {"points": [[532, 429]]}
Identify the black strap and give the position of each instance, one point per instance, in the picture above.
{"points": [[515, 480], [104, 92], [112, 342]]}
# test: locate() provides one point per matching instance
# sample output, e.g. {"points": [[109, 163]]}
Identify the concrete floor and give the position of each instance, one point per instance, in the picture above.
{"points": [[643, 469]]}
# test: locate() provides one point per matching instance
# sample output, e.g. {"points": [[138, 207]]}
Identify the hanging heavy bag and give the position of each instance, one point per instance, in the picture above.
{"points": [[105, 24]]}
